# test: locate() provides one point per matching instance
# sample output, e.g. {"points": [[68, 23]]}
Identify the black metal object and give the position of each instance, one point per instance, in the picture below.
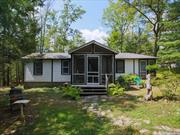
{"points": [[14, 95]]}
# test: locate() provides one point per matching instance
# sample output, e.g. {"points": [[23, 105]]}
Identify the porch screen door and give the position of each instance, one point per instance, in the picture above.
{"points": [[143, 64], [93, 70]]}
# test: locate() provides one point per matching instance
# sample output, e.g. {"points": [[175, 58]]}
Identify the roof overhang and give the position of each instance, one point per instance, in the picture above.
{"points": [[134, 56], [47, 56]]}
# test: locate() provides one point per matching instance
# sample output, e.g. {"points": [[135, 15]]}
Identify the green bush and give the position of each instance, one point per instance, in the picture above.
{"points": [[170, 89], [115, 90], [71, 92], [126, 80], [152, 68]]}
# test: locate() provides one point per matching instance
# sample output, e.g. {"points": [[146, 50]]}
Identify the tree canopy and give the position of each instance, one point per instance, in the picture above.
{"points": [[18, 30], [140, 20]]}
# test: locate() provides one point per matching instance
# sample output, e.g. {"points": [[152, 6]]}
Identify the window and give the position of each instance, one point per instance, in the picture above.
{"points": [[65, 68], [38, 67], [120, 67]]}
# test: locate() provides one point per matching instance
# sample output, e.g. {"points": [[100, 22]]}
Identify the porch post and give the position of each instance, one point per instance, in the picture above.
{"points": [[72, 69], [100, 68], [113, 68], [85, 68]]}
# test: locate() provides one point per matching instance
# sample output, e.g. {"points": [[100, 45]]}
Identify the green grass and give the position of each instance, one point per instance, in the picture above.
{"points": [[49, 113], [160, 112]]}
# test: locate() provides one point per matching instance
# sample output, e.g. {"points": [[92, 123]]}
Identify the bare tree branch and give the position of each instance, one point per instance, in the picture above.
{"points": [[139, 11]]}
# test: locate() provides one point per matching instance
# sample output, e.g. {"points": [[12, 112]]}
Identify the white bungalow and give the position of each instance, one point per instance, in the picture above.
{"points": [[86, 65]]}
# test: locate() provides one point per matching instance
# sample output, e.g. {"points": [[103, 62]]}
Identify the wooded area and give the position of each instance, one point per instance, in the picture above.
{"points": [[149, 27]]}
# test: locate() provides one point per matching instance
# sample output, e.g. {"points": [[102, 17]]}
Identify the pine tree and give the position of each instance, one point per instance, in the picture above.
{"points": [[170, 43]]}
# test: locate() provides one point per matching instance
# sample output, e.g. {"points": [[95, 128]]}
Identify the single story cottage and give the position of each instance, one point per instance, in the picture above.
{"points": [[88, 65]]}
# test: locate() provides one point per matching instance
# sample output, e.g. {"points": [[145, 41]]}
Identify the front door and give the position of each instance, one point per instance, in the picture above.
{"points": [[93, 70], [143, 71]]}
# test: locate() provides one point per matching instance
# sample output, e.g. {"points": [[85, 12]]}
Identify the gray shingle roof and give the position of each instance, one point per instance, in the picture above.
{"points": [[133, 56], [47, 56], [67, 56]]}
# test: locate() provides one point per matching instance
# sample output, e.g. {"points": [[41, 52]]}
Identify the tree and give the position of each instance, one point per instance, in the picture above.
{"points": [[118, 17], [153, 12], [60, 36], [170, 43], [18, 30], [44, 11]]}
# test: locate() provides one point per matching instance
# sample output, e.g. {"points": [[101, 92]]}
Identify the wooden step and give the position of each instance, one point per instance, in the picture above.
{"points": [[92, 93], [94, 90]]}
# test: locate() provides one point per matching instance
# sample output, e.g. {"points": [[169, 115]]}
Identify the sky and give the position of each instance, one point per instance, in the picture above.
{"points": [[91, 24]]}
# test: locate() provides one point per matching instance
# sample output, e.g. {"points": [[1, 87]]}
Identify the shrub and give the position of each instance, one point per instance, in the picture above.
{"points": [[170, 89], [115, 89], [72, 92], [126, 80], [152, 68]]}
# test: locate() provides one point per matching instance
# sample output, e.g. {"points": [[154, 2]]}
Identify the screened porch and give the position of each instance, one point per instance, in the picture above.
{"points": [[91, 69]]}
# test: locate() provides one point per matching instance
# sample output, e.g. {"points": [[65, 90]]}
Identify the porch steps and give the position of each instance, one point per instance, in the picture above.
{"points": [[93, 91]]}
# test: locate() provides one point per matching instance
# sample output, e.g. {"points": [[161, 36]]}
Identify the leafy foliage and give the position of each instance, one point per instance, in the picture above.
{"points": [[18, 31], [115, 90], [152, 68], [170, 42], [170, 89], [133, 22], [126, 80], [59, 28], [72, 92], [119, 20]]}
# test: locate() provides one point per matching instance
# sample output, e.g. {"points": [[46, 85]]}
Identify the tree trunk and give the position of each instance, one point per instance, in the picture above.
{"points": [[156, 48], [7, 76], [3, 75], [19, 73]]}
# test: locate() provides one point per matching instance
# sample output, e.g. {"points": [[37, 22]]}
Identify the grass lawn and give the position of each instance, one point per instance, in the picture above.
{"points": [[159, 113], [50, 114]]}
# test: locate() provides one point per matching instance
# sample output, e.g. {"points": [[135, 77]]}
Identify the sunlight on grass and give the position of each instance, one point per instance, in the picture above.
{"points": [[57, 115], [53, 114], [160, 112]]}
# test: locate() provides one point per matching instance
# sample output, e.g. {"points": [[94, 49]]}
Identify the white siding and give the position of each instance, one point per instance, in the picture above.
{"points": [[46, 76], [129, 68], [57, 76], [30, 77]]}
